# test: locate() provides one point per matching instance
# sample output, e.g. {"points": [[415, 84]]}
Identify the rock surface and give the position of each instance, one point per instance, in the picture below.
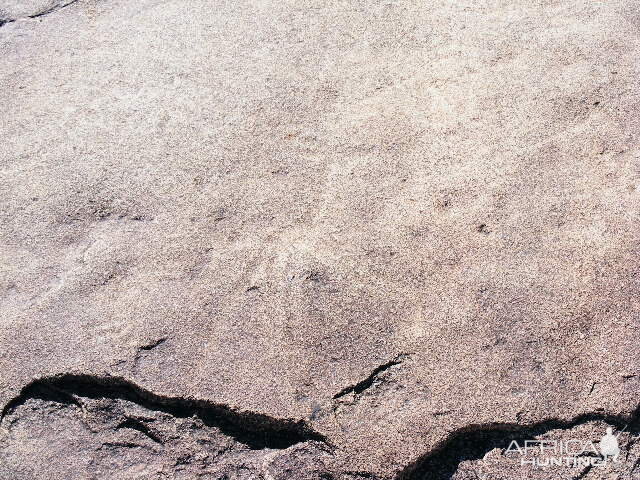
{"points": [[371, 239]]}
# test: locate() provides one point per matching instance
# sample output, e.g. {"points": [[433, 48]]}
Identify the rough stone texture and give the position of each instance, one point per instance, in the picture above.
{"points": [[12, 10], [405, 224], [81, 428]]}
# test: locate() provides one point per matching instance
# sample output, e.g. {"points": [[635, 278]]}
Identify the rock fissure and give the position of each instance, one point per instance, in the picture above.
{"points": [[371, 379], [51, 9], [474, 441], [255, 430], [140, 426], [258, 431]]}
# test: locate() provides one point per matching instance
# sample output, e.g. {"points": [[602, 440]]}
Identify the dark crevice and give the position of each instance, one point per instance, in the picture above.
{"points": [[58, 395], [144, 350], [258, 431], [153, 345], [473, 442], [121, 445], [368, 382], [53, 8], [135, 424], [255, 430]]}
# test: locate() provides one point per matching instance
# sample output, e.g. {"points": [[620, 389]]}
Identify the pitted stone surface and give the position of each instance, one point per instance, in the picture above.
{"points": [[392, 221]]}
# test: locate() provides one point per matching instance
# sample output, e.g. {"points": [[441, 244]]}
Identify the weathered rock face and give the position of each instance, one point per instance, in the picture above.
{"points": [[317, 239], [81, 427], [12, 10]]}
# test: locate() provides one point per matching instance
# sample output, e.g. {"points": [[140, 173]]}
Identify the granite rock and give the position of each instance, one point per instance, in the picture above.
{"points": [[304, 239]]}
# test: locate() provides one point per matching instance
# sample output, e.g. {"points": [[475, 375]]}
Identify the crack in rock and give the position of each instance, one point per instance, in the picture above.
{"points": [[255, 430], [135, 424], [121, 420], [83, 426], [53, 8], [153, 345], [144, 351], [363, 385], [473, 442]]}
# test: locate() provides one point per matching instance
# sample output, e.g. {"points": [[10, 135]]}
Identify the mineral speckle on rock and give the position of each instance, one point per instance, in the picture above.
{"points": [[318, 239]]}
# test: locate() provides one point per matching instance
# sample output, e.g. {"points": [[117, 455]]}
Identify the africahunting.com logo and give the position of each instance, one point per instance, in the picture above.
{"points": [[569, 453]]}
